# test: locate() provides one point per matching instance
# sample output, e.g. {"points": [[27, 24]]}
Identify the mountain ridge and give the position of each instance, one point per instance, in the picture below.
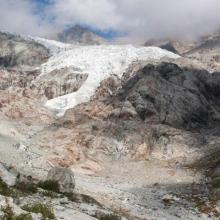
{"points": [[81, 35]]}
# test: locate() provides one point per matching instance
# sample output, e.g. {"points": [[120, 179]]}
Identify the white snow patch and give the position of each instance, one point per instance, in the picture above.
{"points": [[99, 62], [55, 47]]}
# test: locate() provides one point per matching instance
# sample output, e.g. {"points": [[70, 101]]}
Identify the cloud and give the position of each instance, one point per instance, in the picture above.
{"points": [[140, 19], [98, 13], [21, 16]]}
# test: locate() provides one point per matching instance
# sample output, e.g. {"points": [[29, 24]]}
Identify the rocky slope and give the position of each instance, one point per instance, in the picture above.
{"points": [[142, 138], [204, 50], [162, 112], [173, 45], [18, 52], [208, 52]]}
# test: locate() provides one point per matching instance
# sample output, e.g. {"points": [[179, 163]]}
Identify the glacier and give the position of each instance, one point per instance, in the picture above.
{"points": [[99, 62]]}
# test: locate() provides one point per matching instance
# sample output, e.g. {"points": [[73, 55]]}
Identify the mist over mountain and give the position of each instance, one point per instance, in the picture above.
{"points": [[139, 20], [81, 35]]}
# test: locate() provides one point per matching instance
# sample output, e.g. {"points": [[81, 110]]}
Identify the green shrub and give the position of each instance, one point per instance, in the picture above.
{"points": [[50, 185], [46, 211], [24, 217], [109, 217], [24, 187], [4, 189], [81, 198], [105, 216], [9, 214], [89, 200], [216, 184], [49, 194]]}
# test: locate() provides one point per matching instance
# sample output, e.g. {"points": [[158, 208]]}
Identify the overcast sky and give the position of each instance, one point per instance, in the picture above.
{"points": [[139, 19]]}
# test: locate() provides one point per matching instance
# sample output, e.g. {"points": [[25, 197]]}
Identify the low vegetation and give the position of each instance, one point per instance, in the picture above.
{"points": [[49, 185], [4, 189], [10, 215], [89, 200], [216, 184], [49, 194], [46, 211], [45, 188], [26, 187], [82, 198], [107, 217]]}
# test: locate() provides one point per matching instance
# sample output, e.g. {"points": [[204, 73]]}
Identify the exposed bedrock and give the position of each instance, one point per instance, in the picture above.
{"points": [[168, 94], [18, 52]]}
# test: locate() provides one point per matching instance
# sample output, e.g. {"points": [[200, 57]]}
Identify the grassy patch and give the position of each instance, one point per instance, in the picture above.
{"points": [[81, 198], [46, 211], [50, 194], [216, 184], [20, 189], [49, 185], [27, 188], [9, 214], [24, 217], [89, 200], [4, 189], [107, 216]]}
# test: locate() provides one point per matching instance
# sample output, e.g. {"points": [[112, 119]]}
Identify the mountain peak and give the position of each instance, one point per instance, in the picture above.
{"points": [[82, 35]]}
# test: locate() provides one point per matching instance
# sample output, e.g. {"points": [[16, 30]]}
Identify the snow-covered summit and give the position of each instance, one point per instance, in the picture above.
{"points": [[99, 62]]}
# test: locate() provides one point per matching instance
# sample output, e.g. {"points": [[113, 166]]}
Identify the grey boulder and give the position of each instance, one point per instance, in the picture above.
{"points": [[64, 177]]}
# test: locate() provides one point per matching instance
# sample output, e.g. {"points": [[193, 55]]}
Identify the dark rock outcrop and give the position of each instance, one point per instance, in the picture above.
{"points": [[18, 52], [169, 47], [175, 96]]}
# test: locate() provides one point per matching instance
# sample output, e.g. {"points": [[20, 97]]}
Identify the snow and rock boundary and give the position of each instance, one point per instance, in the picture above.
{"points": [[99, 62]]}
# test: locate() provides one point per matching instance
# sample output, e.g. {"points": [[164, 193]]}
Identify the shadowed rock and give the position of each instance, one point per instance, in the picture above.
{"points": [[175, 96], [16, 51], [65, 178]]}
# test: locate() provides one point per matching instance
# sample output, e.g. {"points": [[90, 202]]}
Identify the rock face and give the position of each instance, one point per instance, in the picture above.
{"points": [[169, 47], [59, 82], [16, 79], [65, 178], [15, 51], [18, 100], [81, 35], [174, 96]]}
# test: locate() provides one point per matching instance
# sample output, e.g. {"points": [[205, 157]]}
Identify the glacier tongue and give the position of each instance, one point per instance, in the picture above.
{"points": [[99, 62]]}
